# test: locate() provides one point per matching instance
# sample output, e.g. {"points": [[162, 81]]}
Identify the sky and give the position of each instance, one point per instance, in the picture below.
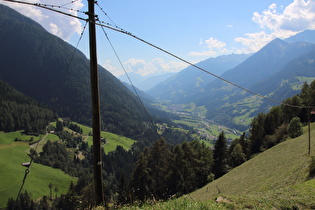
{"points": [[193, 30]]}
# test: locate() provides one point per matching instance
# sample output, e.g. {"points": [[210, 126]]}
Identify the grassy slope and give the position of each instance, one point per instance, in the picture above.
{"points": [[113, 140], [278, 174], [276, 179], [12, 173]]}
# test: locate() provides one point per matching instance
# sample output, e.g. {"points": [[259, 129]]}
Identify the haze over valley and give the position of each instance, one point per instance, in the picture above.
{"points": [[194, 113]]}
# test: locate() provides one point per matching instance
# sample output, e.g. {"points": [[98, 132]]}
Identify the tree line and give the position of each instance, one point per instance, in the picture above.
{"points": [[163, 168], [19, 112]]}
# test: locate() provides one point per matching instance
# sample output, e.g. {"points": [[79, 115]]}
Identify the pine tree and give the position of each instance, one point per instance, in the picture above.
{"points": [[160, 160], [237, 156], [140, 183], [220, 156], [257, 133]]}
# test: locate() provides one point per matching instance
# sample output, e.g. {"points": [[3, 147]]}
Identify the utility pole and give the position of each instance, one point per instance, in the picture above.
{"points": [[96, 122], [309, 132]]}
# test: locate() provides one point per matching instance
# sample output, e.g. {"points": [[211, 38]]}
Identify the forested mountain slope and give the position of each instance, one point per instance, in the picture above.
{"points": [[39, 64], [19, 112]]}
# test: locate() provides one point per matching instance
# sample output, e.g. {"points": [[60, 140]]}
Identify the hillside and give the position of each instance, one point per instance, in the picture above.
{"points": [[278, 70], [285, 166], [45, 73], [12, 155], [19, 112], [190, 79], [305, 36]]}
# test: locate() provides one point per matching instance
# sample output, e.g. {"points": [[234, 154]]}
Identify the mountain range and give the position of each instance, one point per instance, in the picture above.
{"points": [[47, 69], [57, 75], [191, 80], [277, 70], [147, 82]]}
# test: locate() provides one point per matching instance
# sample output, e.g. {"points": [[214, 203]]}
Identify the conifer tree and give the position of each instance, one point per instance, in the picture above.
{"points": [[160, 164], [220, 156], [295, 127], [257, 133], [237, 156], [140, 183]]}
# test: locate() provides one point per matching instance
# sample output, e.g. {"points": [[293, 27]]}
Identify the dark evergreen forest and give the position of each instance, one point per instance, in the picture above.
{"points": [[160, 169], [157, 167], [56, 74], [19, 112]]}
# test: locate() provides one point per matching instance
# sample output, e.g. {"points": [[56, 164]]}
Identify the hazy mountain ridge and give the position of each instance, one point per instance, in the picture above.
{"points": [[145, 83], [277, 70], [305, 36], [190, 80], [283, 62]]}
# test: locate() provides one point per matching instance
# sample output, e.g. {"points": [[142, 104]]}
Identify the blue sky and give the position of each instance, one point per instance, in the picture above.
{"points": [[194, 30]]}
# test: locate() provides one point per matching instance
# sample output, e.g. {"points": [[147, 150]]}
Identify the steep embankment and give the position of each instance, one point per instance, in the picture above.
{"points": [[283, 170]]}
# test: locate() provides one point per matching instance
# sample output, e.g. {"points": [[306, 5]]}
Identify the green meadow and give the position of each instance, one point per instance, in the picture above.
{"points": [[112, 141], [12, 155]]}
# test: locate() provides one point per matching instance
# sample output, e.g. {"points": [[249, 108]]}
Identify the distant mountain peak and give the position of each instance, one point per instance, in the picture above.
{"points": [[305, 36]]}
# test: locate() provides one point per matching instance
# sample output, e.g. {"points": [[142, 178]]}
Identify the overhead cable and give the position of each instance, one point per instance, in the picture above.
{"points": [[134, 89], [26, 173], [120, 30]]}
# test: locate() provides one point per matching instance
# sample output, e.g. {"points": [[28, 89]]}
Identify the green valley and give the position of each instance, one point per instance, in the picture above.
{"points": [[12, 155], [195, 117]]}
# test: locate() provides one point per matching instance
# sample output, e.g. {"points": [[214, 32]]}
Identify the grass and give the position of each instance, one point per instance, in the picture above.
{"points": [[113, 141], [300, 196], [85, 129], [281, 173], [178, 204], [12, 173], [51, 137], [7, 138], [244, 119], [279, 178]]}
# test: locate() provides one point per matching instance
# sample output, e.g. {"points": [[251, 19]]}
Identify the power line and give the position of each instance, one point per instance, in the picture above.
{"points": [[105, 13], [68, 3], [60, 7], [45, 7], [120, 30], [76, 48], [26, 173], [134, 89]]}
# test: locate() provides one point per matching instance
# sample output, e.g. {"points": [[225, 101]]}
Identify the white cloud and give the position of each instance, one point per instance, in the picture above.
{"points": [[254, 41], [55, 23], [213, 45], [296, 17], [54, 29], [109, 67], [143, 68]]}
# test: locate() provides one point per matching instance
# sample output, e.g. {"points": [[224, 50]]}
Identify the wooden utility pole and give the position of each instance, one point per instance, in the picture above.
{"points": [[309, 132], [96, 122]]}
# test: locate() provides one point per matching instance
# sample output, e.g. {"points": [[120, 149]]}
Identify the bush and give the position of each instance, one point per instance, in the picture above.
{"points": [[295, 127]]}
